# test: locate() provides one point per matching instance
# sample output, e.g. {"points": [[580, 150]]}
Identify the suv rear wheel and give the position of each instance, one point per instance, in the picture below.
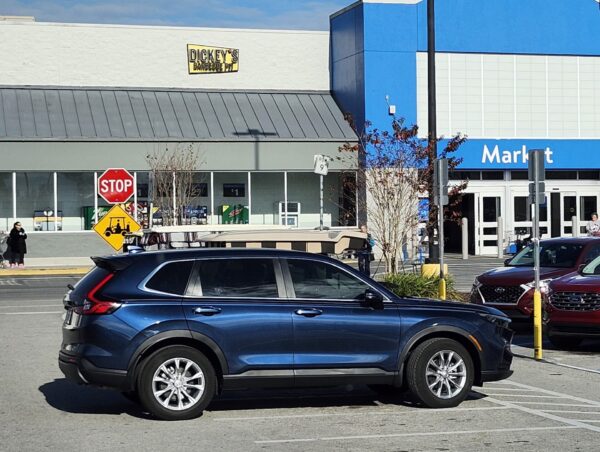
{"points": [[176, 383], [440, 373]]}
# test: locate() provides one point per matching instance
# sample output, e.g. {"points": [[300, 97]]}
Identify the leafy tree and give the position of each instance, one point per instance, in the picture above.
{"points": [[396, 169]]}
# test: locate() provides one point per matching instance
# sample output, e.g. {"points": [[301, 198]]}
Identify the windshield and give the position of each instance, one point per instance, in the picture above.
{"points": [[593, 268], [559, 255]]}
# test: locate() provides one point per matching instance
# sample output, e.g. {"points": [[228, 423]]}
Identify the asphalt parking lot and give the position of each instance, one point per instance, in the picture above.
{"points": [[544, 405]]}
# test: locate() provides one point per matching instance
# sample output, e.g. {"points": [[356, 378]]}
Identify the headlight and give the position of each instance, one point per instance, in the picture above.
{"points": [[544, 285], [499, 320]]}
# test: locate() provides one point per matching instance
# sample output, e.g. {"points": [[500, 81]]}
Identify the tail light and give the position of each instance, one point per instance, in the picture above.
{"points": [[92, 305]]}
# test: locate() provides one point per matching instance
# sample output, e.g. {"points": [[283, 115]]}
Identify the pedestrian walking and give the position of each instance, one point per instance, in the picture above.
{"points": [[17, 246], [593, 226], [3, 249], [365, 254]]}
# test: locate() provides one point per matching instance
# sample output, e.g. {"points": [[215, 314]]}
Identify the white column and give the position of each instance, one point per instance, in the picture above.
{"points": [[135, 209], [285, 198], [95, 197], [174, 201], [14, 193], [249, 197], [55, 201], [212, 198]]}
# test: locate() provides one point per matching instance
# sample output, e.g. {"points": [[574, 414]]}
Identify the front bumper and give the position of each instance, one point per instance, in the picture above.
{"points": [[81, 371]]}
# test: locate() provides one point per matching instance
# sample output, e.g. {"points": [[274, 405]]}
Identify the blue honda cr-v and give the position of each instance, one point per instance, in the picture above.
{"points": [[174, 328]]}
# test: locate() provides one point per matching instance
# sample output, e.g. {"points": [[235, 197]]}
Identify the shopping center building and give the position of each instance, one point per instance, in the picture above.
{"points": [[512, 75], [257, 105], [254, 106]]}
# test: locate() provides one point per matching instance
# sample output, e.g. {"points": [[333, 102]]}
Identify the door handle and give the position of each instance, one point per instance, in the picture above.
{"points": [[207, 310], [308, 312]]}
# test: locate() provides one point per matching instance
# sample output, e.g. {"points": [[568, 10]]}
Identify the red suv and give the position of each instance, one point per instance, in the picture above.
{"points": [[510, 288], [573, 307]]}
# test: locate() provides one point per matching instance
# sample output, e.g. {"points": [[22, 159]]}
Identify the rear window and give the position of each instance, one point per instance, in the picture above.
{"points": [[172, 278], [251, 278]]}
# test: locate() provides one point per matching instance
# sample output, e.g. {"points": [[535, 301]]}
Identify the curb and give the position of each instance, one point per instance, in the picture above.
{"points": [[75, 271]]}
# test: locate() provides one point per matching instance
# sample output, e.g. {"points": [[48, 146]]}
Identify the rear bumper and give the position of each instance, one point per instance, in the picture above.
{"points": [[81, 371]]}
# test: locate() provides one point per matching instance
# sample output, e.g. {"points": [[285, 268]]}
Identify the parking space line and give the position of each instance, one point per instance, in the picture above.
{"points": [[364, 413], [527, 396], [416, 434], [546, 391], [33, 306], [572, 412], [543, 403]]}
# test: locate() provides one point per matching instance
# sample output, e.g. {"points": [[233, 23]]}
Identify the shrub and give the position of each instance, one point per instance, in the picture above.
{"points": [[413, 285]]}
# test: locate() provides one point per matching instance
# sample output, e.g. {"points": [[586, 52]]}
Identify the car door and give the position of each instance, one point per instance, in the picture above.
{"points": [[334, 329], [239, 304]]}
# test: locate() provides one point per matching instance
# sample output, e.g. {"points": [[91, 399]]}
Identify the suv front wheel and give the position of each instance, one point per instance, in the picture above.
{"points": [[177, 383], [440, 373]]}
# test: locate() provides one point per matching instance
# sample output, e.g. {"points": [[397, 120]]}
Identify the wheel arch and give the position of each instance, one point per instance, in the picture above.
{"points": [[198, 341], [447, 332]]}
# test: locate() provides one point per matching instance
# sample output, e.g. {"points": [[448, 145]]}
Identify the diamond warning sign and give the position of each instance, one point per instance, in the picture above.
{"points": [[114, 225]]}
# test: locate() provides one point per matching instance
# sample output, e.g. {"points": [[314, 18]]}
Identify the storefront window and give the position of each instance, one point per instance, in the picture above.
{"points": [[35, 202], [231, 198], [303, 193], [587, 206], [267, 195], [522, 211], [6, 205], [76, 200]]}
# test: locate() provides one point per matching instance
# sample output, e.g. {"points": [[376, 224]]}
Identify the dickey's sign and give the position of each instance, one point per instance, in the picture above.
{"points": [[211, 60]]}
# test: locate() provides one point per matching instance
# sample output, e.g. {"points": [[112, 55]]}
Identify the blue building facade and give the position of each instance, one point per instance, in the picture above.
{"points": [[511, 75]]}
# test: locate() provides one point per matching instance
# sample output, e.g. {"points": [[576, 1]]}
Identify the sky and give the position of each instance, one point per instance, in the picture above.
{"points": [[274, 14]]}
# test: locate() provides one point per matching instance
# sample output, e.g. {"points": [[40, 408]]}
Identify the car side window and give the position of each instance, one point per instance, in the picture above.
{"points": [[172, 278], [592, 253], [252, 278], [319, 280]]}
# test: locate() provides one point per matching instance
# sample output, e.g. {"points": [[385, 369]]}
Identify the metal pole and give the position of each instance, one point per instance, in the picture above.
{"points": [[55, 228], [285, 199], [212, 197], [14, 197], [465, 238], [321, 203], [574, 226], [135, 197], [500, 242], [174, 201], [249, 198], [441, 228], [537, 297], [431, 106]]}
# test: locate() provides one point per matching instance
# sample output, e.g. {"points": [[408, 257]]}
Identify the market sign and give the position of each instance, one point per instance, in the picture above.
{"points": [[212, 60], [115, 225]]}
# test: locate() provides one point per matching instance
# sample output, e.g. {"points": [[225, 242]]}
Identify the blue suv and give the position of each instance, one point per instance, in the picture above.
{"points": [[175, 328]]}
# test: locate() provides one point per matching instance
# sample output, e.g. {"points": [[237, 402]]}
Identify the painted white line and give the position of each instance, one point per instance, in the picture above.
{"points": [[546, 391], [33, 306], [406, 435], [556, 363], [526, 395], [588, 420], [542, 403], [508, 389], [573, 422], [30, 313], [572, 412], [364, 413]]}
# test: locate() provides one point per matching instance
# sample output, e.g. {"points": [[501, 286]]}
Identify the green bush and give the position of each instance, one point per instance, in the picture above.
{"points": [[413, 285]]}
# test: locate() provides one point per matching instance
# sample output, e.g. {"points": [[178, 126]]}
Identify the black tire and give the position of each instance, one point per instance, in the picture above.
{"points": [[418, 382], [199, 399], [564, 342]]}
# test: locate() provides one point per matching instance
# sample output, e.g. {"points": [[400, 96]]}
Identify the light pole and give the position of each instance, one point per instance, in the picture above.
{"points": [[432, 121], [321, 168]]}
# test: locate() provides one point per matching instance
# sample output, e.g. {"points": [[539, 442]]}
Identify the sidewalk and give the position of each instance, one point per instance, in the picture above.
{"points": [[50, 266]]}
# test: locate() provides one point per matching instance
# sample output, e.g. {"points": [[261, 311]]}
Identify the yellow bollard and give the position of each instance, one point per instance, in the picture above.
{"points": [[442, 289], [537, 324]]}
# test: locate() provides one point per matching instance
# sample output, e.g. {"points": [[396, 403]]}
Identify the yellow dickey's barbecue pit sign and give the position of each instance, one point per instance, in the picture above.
{"points": [[212, 60]]}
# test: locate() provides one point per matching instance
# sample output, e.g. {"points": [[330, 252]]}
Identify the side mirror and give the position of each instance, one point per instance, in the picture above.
{"points": [[507, 261], [373, 299], [580, 268]]}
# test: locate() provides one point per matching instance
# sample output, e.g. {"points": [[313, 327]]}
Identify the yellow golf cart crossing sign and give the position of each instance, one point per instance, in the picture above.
{"points": [[114, 225]]}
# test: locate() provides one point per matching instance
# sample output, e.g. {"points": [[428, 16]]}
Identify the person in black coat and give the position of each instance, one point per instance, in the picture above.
{"points": [[17, 245]]}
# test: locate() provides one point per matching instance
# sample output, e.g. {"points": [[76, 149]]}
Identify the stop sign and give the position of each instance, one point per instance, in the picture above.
{"points": [[115, 185]]}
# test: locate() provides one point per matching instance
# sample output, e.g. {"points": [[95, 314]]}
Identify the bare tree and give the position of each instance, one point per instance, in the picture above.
{"points": [[174, 185], [393, 166]]}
